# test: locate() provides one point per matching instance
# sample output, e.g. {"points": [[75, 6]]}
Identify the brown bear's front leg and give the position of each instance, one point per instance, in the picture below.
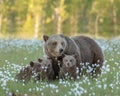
{"points": [[56, 68]]}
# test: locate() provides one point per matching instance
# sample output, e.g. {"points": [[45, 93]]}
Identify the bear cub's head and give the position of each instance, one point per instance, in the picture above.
{"points": [[28, 71], [46, 65], [46, 69], [69, 61]]}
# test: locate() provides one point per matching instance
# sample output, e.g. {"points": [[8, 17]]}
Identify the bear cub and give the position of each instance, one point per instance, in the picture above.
{"points": [[30, 70], [38, 70], [47, 72], [68, 69]]}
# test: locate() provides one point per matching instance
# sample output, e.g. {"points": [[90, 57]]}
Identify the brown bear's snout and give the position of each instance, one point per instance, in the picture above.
{"points": [[61, 50]]}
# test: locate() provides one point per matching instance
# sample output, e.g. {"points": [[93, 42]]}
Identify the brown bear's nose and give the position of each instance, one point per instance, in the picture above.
{"points": [[61, 50]]}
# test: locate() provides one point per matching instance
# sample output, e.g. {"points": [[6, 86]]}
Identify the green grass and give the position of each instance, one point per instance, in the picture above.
{"points": [[13, 54]]}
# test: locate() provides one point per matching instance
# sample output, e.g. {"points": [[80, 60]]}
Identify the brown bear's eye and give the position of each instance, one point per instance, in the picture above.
{"points": [[54, 43], [71, 60], [62, 43]]}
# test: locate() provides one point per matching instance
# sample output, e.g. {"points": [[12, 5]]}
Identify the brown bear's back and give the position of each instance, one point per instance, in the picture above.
{"points": [[89, 49]]}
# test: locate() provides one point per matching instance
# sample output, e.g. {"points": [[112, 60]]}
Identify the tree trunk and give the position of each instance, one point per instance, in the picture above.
{"points": [[73, 23], [59, 29], [84, 21], [114, 17], [90, 25], [96, 26], [59, 16], [36, 26], [0, 23], [11, 17], [115, 22], [0, 16], [57, 20]]}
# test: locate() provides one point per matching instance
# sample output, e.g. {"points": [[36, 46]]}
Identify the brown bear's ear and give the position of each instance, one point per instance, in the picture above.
{"points": [[45, 37], [31, 63], [40, 60]]}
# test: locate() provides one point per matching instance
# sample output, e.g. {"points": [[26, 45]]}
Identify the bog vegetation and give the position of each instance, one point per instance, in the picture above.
{"points": [[16, 53]]}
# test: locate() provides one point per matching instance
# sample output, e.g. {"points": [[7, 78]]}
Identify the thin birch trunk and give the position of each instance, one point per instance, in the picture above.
{"points": [[96, 26], [36, 26], [0, 16], [0, 23], [57, 20], [73, 23], [114, 17]]}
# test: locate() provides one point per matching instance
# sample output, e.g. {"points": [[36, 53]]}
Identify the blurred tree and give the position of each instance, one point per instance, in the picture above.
{"points": [[59, 15], [86, 6], [9, 16], [117, 9], [33, 18], [29, 22], [73, 7], [13, 15], [1, 1], [104, 14], [98, 15], [39, 11], [113, 16]]}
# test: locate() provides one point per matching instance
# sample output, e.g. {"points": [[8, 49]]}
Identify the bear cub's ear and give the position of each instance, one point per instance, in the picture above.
{"points": [[31, 63], [74, 55], [40, 60], [45, 37]]}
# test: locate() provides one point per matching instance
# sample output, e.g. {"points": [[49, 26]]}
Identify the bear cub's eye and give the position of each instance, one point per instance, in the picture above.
{"points": [[62, 43], [66, 60], [54, 43], [39, 65]]}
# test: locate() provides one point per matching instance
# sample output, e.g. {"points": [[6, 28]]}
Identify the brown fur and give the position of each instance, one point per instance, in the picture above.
{"points": [[17, 94], [27, 72], [47, 72], [85, 48], [24, 74], [68, 67], [36, 69]]}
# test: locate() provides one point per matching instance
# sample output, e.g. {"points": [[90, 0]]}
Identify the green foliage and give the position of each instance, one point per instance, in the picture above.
{"points": [[94, 17]]}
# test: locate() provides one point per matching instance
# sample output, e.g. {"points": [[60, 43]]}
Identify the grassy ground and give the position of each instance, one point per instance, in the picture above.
{"points": [[17, 53]]}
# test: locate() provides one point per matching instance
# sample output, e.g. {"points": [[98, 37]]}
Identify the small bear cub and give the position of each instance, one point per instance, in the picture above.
{"points": [[28, 71], [47, 72], [68, 69]]}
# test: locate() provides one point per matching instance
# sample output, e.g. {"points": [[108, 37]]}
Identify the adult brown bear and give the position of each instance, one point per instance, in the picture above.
{"points": [[87, 51]]}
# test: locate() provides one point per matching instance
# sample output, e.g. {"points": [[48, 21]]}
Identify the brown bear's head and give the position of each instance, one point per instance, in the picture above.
{"points": [[69, 61], [55, 45]]}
